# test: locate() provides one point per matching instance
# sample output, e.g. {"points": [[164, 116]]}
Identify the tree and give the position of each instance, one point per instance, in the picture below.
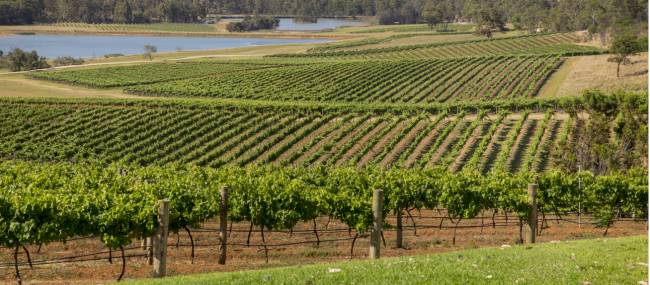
{"points": [[489, 16], [527, 14], [20, 60], [148, 50], [623, 46], [431, 15], [609, 139], [409, 13], [123, 12]]}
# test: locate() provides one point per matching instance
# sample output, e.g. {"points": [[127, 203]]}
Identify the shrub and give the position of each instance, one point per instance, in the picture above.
{"points": [[67, 60], [253, 24], [113, 55]]}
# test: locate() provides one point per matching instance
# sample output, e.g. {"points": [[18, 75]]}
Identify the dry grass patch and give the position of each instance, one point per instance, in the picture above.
{"points": [[19, 86], [590, 72]]}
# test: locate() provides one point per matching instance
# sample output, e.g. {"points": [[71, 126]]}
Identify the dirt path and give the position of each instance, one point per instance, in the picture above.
{"points": [[321, 144], [343, 140], [470, 146], [258, 139], [494, 145], [287, 140], [450, 140], [518, 151], [401, 146], [307, 139], [358, 145], [381, 144], [543, 155], [425, 144]]}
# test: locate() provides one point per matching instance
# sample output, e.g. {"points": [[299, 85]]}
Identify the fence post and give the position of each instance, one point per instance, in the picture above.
{"points": [[143, 243], [149, 250], [375, 234], [531, 228], [398, 240], [159, 240], [223, 224]]}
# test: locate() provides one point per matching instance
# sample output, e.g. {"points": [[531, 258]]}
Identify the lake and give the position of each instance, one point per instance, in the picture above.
{"points": [[287, 24], [84, 46]]}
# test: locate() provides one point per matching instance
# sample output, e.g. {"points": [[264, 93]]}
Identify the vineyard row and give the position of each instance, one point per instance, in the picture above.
{"points": [[214, 137], [120, 76], [406, 81], [545, 44], [43, 203]]}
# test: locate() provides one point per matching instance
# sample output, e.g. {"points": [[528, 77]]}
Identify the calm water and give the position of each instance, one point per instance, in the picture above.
{"points": [[97, 46], [322, 24]]}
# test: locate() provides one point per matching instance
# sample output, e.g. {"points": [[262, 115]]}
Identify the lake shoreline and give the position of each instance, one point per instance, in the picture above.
{"points": [[92, 46], [265, 35]]}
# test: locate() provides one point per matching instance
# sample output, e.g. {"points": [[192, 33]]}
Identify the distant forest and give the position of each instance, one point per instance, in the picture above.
{"points": [[554, 15]]}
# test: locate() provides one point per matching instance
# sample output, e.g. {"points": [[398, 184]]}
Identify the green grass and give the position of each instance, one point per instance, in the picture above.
{"points": [[599, 261]]}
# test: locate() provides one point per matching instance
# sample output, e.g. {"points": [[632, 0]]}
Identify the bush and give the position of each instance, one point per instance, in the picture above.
{"points": [[113, 55], [642, 42], [19, 60], [67, 60], [3, 61]]}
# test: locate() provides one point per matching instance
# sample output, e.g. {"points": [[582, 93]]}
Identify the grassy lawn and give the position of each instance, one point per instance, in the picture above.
{"points": [[598, 261]]}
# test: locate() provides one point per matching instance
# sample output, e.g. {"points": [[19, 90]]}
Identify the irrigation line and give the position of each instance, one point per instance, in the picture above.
{"points": [[76, 258], [54, 261], [310, 231], [67, 258], [595, 223], [262, 245]]}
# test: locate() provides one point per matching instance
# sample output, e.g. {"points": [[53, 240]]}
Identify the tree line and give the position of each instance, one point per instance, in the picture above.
{"points": [[552, 15]]}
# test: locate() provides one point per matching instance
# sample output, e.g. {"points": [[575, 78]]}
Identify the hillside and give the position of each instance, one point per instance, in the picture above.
{"points": [[214, 135], [298, 153]]}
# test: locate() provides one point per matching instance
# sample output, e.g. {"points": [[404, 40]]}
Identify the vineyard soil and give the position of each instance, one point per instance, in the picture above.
{"points": [[428, 239]]}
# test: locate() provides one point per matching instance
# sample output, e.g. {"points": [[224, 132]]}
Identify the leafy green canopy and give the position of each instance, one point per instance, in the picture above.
{"points": [[41, 203]]}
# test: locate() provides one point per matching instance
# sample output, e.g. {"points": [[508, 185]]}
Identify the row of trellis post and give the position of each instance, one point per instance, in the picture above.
{"points": [[158, 242]]}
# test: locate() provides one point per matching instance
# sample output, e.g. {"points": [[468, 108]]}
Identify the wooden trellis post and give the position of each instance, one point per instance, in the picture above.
{"points": [[375, 234], [159, 240], [398, 239], [223, 224], [531, 228]]}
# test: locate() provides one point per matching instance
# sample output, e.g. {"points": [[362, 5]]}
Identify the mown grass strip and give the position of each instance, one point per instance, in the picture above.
{"points": [[597, 261]]}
